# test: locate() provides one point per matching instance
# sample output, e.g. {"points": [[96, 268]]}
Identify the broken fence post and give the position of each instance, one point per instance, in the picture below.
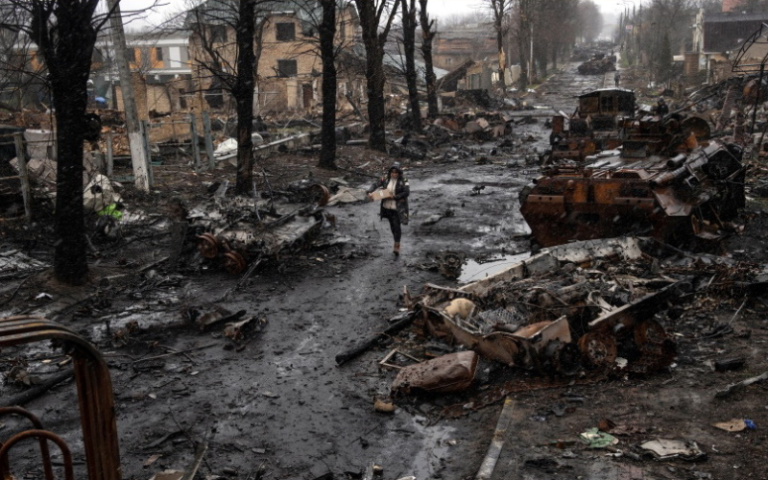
{"points": [[208, 140], [147, 152], [195, 146], [18, 139], [497, 443], [110, 154]]}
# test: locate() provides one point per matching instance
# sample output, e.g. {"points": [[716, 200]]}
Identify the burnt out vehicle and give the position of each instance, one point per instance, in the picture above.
{"points": [[645, 188], [236, 232], [596, 125]]}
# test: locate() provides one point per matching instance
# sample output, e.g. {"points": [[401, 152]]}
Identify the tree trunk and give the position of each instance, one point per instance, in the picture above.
{"points": [[328, 52], [428, 35], [409, 44], [374, 72], [69, 100], [370, 12], [69, 64], [243, 93], [500, 47]]}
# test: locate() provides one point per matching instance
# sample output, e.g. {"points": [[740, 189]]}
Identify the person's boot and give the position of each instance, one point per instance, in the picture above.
{"points": [[396, 249]]}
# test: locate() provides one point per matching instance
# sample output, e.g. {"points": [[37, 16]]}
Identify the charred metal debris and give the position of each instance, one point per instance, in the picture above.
{"points": [[614, 172], [240, 231], [581, 312]]}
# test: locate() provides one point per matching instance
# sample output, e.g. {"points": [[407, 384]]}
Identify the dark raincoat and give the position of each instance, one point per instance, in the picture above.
{"points": [[402, 190]]}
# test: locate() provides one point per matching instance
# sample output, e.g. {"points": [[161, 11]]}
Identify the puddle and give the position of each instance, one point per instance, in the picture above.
{"points": [[436, 447], [473, 271]]}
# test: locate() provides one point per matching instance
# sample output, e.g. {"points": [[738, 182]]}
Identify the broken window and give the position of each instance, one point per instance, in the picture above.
{"points": [[286, 32], [218, 33], [286, 68]]}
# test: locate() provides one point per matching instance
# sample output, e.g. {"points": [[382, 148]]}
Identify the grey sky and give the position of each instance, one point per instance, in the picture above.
{"points": [[437, 8]]}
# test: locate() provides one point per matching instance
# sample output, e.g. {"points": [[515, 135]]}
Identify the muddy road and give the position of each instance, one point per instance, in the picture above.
{"points": [[277, 398]]}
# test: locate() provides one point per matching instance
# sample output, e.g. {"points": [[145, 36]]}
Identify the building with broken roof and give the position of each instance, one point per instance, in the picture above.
{"points": [[718, 39], [473, 42]]}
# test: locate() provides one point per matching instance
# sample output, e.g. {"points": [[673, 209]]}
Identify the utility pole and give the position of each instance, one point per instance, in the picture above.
{"points": [[135, 140]]}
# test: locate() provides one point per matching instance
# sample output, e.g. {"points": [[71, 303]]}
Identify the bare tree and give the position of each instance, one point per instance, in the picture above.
{"points": [[408, 9], [590, 20], [523, 32], [458, 20], [65, 33], [330, 23], [500, 10], [428, 32], [372, 13], [21, 74], [233, 67], [327, 33]]}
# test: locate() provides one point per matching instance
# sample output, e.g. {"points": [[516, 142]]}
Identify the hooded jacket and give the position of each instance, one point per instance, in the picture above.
{"points": [[402, 190]]}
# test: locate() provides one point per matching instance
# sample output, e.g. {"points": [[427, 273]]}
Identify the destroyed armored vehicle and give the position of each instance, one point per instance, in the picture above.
{"points": [[242, 231], [596, 124], [598, 65], [645, 188]]}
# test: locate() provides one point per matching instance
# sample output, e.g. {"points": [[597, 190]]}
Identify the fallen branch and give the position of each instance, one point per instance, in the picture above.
{"points": [[738, 386], [200, 450], [180, 352], [364, 345], [33, 393]]}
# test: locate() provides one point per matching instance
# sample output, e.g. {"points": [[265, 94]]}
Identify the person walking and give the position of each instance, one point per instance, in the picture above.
{"points": [[395, 206], [617, 78]]}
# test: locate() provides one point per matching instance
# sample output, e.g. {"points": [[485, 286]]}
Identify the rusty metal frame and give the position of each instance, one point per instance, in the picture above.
{"points": [[94, 390], [44, 451], [43, 436]]}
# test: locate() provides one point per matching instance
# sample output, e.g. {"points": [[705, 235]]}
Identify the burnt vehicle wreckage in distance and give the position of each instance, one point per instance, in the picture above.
{"points": [[615, 175]]}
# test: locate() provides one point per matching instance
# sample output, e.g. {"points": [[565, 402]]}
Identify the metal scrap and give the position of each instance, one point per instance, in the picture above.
{"points": [[542, 316], [236, 232]]}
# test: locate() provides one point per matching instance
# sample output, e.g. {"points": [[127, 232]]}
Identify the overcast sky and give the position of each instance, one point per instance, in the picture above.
{"points": [[437, 8], [451, 7]]}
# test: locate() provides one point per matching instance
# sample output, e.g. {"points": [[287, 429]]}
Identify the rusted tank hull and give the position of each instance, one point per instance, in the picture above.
{"points": [[674, 200]]}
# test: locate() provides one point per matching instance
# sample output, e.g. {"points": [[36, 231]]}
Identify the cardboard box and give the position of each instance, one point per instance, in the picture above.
{"points": [[381, 194]]}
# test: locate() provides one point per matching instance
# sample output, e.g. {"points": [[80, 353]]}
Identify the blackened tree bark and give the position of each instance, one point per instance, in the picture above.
{"points": [[427, 35], [65, 34], [237, 76], [371, 13], [523, 32], [243, 92], [408, 9], [500, 9], [327, 33]]}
